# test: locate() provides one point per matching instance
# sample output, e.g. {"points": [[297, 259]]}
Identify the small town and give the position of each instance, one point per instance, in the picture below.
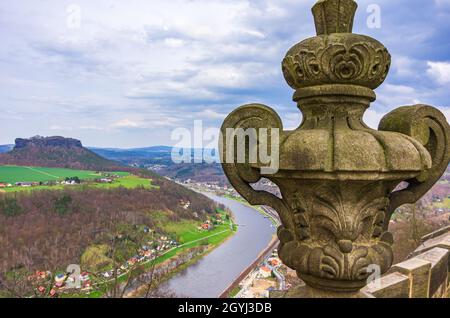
{"points": [[270, 273], [67, 181], [86, 282]]}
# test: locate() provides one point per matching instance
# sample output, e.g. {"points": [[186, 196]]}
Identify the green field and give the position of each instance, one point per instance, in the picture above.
{"points": [[13, 174], [186, 231]]}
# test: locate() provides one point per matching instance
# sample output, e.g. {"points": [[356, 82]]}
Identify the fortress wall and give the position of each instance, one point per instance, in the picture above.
{"points": [[424, 275], [272, 245]]}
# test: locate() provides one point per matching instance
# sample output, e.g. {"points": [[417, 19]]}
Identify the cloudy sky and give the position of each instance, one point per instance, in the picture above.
{"points": [[127, 73]]}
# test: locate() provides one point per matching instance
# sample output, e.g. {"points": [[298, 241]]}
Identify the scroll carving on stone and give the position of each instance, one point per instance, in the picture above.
{"points": [[429, 126], [337, 176]]}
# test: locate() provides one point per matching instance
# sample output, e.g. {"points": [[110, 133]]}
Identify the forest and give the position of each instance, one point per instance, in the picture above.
{"points": [[49, 229]]}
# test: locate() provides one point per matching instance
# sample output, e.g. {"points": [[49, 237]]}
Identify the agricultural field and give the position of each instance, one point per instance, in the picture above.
{"points": [[13, 174], [129, 182], [187, 231]]}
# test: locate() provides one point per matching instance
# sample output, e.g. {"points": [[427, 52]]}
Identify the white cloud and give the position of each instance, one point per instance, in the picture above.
{"points": [[442, 2], [210, 114], [174, 43], [170, 90], [92, 127], [400, 89], [150, 121], [406, 67], [439, 71], [61, 128], [127, 123], [372, 118], [131, 68], [390, 95]]}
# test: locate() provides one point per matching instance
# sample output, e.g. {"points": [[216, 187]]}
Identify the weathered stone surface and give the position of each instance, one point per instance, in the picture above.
{"points": [[334, 17], [418, 272], [309, 292], [393, 285], [442, 241], [439, 258], [440, 232], [55, 141], [335, 174], [337, 59], [426, 271]]}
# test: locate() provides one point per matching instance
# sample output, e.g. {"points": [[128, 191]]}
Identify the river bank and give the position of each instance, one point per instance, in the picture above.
{"points": [[141, 291], [275, 220], [216, 271], [228, 292]]}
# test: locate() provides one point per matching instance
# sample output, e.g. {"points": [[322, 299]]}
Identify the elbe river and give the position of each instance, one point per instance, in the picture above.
{"points": [[213, 273]]}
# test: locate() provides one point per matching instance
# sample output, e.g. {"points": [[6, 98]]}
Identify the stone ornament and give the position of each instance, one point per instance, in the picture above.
{"points": [[338, 177]]}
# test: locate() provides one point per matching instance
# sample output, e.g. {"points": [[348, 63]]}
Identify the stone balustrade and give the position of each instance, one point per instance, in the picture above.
{"points": [[424, 275]]}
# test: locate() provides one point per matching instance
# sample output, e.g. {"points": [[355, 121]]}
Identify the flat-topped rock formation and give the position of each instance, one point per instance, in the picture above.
{"points": [[57, 152], [55, 141]]}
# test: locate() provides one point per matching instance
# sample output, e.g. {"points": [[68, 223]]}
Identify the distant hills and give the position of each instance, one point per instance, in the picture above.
{"points": [[70, 153], [159, 159], [129, 156], [6, 148], [54, 151]]}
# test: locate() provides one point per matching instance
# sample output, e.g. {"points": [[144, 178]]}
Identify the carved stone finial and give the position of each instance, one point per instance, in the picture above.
{"points": [[335, 55], [336, 175], [334, 16]]}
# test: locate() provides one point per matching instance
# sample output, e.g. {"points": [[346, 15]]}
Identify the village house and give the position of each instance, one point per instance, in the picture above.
{"points": [[41, 289], [69, 182], [265, 272], [26, 184], [39, 276], [104, 180], [205, 226], [185, 204], [147, 230], [274, 262], [60, 280], [145, 252]]}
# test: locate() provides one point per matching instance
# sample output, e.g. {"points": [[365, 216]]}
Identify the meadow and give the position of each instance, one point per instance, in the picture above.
{"points": [[13, 174], [187, 231]]}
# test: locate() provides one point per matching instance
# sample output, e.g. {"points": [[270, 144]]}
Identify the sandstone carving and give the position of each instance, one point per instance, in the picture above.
{"points": [[336, 175]]}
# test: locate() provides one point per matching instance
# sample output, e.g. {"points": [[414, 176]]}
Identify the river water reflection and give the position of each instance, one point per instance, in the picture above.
{"points": [[210, 276]]}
